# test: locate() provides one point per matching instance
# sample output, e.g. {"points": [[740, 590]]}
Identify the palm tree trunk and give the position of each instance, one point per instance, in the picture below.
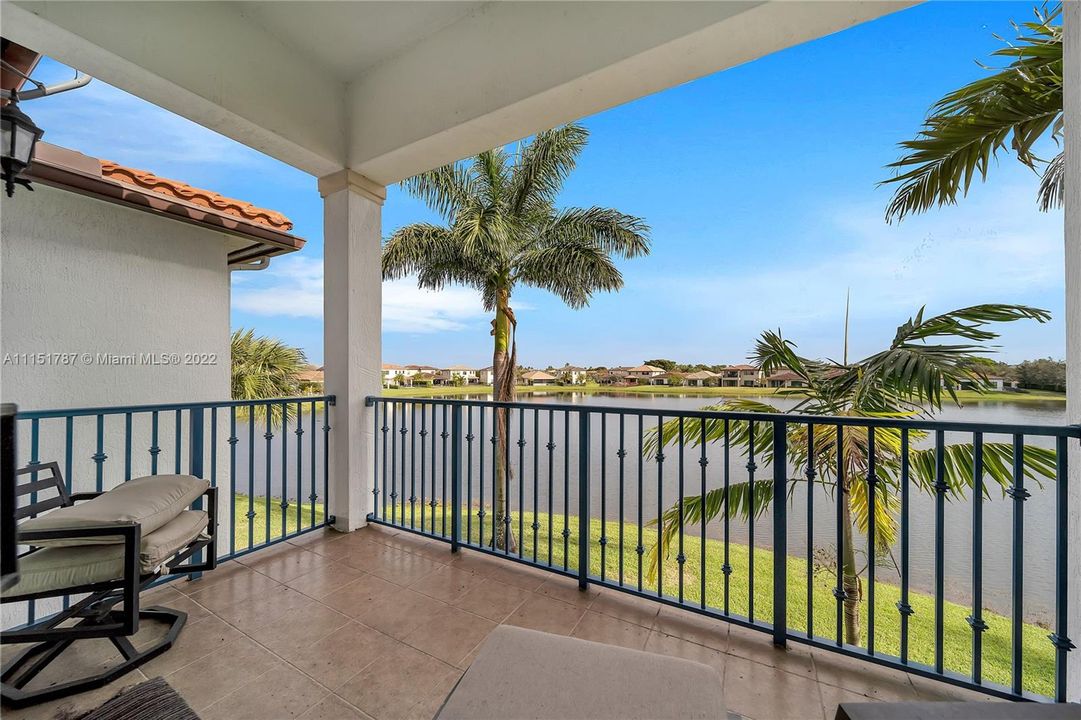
{"points": [[503, 390], [851, 581]]}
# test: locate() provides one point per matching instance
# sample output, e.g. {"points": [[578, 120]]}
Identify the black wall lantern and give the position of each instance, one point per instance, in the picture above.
{"points": [[19, 135]]}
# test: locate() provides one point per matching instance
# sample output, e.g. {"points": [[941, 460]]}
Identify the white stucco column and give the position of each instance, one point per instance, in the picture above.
{"points": [[352, 324], [1072, 107]]}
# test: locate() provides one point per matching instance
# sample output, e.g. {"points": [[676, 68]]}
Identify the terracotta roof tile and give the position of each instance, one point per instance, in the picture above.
{"points": [[196, 196]]}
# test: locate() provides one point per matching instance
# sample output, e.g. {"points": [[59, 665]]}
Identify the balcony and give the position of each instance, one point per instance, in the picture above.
{"points": [[303, 621]]}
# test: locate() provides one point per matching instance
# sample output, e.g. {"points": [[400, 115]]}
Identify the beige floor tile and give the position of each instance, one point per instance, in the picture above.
{"points": [[222, 573], [566, 589], [302, 625], [340, 655], [450, 635], [448, 584], [369, 556], [611, 631], [174, 600], [324, 580], [279, 693], [516, 574], [861, 677], [277, 603], [400, 612], [759, 647], [283, 562], [935, 690], [546, 614], [220, 673], [767, 693], [358, 596], [81, 659], [241, 586], [399, 681], [639, 611], [834, 696], [493, 599], [696, 628], [677, 647], [333, 707], [196, 641], [404, 568]]}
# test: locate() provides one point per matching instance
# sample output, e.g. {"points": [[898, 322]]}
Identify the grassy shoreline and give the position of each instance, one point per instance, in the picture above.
{"points": [[1038, 653], [965, 396]]}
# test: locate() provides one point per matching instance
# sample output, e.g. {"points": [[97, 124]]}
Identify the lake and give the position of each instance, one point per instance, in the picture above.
{"points": [[532, 426]]}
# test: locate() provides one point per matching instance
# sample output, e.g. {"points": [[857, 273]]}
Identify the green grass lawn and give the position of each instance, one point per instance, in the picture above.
{"points": [[1038, 652], [258, 527], [965, 396]]}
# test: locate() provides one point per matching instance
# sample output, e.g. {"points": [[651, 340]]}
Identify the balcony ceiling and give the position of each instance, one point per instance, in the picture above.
{"points": [[391, 89]]}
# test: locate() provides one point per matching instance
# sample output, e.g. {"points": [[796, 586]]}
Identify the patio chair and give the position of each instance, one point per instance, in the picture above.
{"points": [[101, 549]]}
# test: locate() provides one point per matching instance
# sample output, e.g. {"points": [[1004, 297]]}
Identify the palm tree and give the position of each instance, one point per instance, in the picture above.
{"points": [[907, 379], [967, 128], [264, 367], [502, 229]]}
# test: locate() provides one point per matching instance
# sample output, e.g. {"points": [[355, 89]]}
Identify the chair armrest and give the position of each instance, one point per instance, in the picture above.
{"points": [[126, 529], [76, 497]]}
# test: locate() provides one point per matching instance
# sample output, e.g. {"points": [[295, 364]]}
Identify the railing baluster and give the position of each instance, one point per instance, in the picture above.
{"points": [[622, 454], [640, 548], [285, 470], [312, 460], [751, 467], [299, 432], [780, 532], [703, 461], [536, 480], [726, 567], [154, 449], [413, 465], [1060, 638], [660, 502], [810, 475], [443, 497], [69, 438], [872, 491], [975, 620], [326, 462], [583, 499], [455, 478], [127, 447], [681, 558], [177, 430], [268, 436], [551, 468], [940, 546], [431, 500], [480, 483], [251, 476], [1019, 495], [384, 429], [394, 463], [403, 431], [903, 607], [840, 493], [213, 447], [603, 541], [423, 461], [100, 456], [469, 438], [507, 517], [233, 440], [521, 482], [566, 484]]}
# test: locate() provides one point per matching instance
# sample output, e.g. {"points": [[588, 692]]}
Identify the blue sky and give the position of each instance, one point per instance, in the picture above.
{"points": [[759, 184]]}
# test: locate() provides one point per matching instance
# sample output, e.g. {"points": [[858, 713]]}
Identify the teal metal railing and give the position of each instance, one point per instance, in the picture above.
{"points": [[549, 484]]}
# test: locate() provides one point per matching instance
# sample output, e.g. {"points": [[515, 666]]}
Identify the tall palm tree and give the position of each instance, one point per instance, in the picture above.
{"points": [[907, 379], [502, 229], [967, 128], [264, 367]]}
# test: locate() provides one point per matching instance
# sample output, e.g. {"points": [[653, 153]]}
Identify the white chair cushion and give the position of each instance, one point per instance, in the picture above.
{"points": [[151, 501], [58, 568]]}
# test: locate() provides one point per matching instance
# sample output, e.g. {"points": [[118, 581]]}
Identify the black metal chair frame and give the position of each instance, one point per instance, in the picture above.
{"points": [[97, 614]]}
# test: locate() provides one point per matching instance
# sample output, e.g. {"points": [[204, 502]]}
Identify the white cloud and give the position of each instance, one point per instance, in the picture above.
{"points": [[295, 289]]}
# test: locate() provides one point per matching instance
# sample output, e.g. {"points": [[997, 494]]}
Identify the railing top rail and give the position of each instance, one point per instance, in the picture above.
{"points": [[165, 407], [1071, 431]]}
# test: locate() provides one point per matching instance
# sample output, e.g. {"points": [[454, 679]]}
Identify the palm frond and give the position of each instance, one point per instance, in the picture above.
{"points": [[959, 466], [544, 166], [609, 230], [572, 269], [967, 128], [1053, 183], [445, 189]]}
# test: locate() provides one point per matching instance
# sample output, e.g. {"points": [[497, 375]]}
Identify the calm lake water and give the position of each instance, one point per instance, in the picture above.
{"points": [[530, 464]]}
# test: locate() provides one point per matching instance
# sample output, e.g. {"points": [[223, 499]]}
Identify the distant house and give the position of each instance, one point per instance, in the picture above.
{"points": [[611, 376], [785, 379], [570, 374], [311, 380], [486, 376], [671, 377], [447, 375], [537, 377], [644, 373], [701, 378], [741, 376], [994, 382]]}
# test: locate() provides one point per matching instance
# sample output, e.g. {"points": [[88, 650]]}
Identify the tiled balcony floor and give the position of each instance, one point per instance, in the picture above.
{"points": [[378, 624]]}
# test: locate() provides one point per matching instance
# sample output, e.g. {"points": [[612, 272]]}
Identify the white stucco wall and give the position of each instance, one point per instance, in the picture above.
{"points": [[86, 278]]}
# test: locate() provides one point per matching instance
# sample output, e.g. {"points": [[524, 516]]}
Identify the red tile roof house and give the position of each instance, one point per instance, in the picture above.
{"points": [[123, 278]]}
